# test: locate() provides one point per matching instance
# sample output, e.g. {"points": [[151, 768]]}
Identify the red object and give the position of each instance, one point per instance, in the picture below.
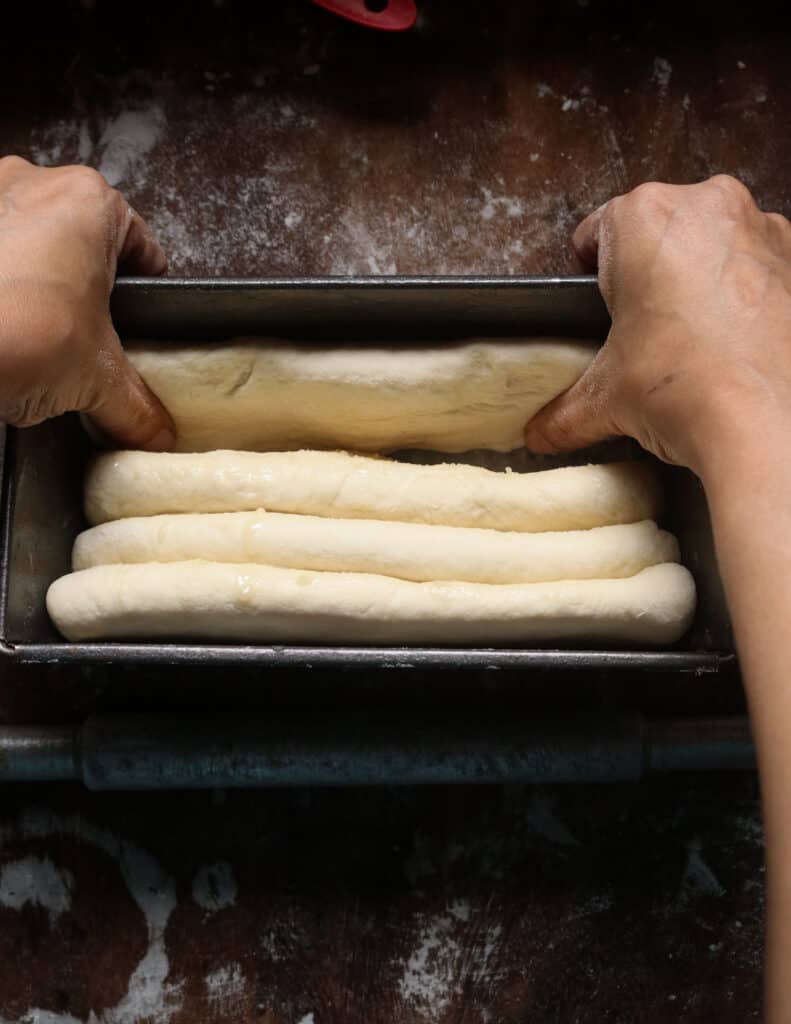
{"points": [[387, 15]]}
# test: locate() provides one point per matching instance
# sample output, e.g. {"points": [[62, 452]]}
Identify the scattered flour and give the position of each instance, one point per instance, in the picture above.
{"points": [[307, 1019], [63, 142], [36, 881], [281, 214], [509, 205], [274, 211], [225, 988], [492, 939], [698, 878], [663, 70], [431, 975], [286, 939], [215, 887], [542, 820], [149, 996], [460, 909], [436, 970], [127, 140], [369, 254], [597, 904]]}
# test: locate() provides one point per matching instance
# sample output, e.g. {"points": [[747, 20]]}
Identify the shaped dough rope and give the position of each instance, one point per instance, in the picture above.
{"points": [[409, 551], [260, 604], [344, 486]]}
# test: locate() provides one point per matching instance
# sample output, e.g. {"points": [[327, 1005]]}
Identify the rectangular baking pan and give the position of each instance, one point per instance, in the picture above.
{"points": [[42, 467]]}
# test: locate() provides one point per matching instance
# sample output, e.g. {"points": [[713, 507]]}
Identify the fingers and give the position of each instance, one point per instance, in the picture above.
{"points": [[585, 240], [139, 251], [124, 407], [12, 168], [576, 419]]}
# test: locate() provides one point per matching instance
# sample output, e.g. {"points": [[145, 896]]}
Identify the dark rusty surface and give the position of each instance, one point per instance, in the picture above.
{"points": [[263, 138], [459, 905]]}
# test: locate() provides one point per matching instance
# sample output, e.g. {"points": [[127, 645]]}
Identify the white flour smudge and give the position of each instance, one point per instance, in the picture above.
{"points": [[698, 878], [38, 882], [371, 256], [65, 142], [486, 950], [541, 819], [460, 909], [307, 1019], [599, 903], [663, 70], [431, 977], [127, 140], [149, 997], [215, 887], [435, 971], [288, 939], [225, 987], [507, 204]]}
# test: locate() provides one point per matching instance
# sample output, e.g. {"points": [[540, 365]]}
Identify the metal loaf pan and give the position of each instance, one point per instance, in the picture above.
{"points": [[42, 467]]}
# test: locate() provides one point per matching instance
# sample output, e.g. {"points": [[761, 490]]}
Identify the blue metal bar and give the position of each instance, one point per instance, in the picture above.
{"points": [[149, 752]]}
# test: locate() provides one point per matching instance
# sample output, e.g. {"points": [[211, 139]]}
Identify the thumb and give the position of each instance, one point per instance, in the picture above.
{"points": [[124, 408], [578, 418]]}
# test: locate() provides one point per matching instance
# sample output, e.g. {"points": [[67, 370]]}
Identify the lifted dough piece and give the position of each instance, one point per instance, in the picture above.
{"points": [[408, 551], [267, 395], [344, 486], [258, 604]]}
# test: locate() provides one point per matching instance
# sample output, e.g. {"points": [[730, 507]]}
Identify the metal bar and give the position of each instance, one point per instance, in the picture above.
{"points": [[229, 655], [363, 307], [340, 750], [699, 745], [46, 753], [145, 752]]}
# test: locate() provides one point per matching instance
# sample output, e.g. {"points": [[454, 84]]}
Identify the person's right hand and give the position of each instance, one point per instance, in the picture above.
{"points": [[698, 283], [63, 234]]}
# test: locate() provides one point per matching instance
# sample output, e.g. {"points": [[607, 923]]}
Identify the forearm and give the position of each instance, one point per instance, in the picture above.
{"points": [[748, 482]]}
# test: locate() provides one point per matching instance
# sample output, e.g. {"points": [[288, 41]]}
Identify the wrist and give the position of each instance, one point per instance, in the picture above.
{"points": [[742, 445]]}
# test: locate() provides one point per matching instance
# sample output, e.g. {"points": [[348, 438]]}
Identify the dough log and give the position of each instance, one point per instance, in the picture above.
{"points": [[265, 395], [407, 551], [259, 604], [344, 486]]}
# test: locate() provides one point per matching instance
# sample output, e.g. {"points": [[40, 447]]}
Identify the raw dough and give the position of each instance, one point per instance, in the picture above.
{"points": [[265, 395], [336, 484], [260, 604], [408, 551]]}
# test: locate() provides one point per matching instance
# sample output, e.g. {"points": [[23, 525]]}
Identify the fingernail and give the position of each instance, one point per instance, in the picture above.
{"points": [[162, 441]]}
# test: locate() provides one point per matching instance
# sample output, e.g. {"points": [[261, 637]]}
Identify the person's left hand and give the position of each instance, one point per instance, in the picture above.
{"points": [[63, 234]]}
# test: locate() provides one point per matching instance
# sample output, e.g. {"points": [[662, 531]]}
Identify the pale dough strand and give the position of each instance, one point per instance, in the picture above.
{"points": [[265, 395], [408, 551], [345, 486], [205, 601]]}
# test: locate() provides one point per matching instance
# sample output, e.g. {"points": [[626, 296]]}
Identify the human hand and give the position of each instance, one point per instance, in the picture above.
{"points": [[698, 283], [63, 234]]}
